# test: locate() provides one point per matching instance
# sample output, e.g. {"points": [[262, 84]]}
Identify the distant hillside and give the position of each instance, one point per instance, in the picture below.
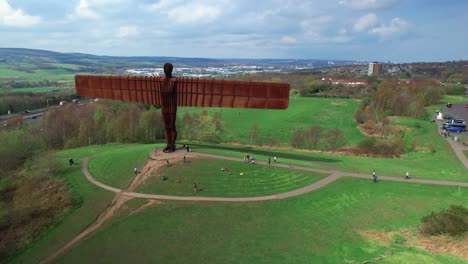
{"points": [[32, 56]]}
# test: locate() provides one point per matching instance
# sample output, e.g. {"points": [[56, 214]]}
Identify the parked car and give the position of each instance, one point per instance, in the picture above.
{"points": [[448, 117], [454, 129], [457, 122]]}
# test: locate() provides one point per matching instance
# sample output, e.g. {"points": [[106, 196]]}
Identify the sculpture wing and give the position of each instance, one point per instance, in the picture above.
{"points": [[229, 93], [190, 91]]}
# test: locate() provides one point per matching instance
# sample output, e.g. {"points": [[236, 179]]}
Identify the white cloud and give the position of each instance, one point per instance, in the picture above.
{"points": [[83, 10], [368, 4], [288, 39], [128, 31], [396, 27], [194, 13], [16, 17], [365, 22]]}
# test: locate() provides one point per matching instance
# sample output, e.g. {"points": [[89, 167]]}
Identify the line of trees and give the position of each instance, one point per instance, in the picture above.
{"points": [[26, 101], [315, 137]]}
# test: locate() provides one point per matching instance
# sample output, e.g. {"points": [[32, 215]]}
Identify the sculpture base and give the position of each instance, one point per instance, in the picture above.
{"points": [[169, 149]]}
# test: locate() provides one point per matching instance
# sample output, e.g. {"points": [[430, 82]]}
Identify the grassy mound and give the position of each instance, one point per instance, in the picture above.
{"points": [[319, 227], [279, 125], [256, 180]]}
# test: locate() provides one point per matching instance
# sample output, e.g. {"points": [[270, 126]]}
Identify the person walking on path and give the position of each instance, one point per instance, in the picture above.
{"points": [[374, 176], [185, 159], [168, 163], [195, 187], [407, 177]]}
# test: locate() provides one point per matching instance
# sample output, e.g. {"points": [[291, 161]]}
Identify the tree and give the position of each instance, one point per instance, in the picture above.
{"points": [[334, 139], [314, 135]]}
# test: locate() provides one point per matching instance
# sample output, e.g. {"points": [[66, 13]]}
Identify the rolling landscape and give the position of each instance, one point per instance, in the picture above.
{"points": [[206, 132]]}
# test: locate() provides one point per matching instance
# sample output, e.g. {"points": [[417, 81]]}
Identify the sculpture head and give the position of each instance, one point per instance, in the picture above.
{"points": [[168, 70]]}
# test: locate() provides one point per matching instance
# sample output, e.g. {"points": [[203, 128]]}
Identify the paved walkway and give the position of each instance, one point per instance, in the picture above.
{"points": [[334, 175]]}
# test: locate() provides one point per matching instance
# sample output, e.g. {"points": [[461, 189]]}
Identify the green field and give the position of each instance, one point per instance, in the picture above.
{"points": [[433, 158], [115, 168], [278, 125], [319, 227], [323, 226], [257, 180], [90, 202], [34, 89]]}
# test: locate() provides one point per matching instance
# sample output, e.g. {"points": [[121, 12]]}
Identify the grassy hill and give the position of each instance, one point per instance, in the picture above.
{"points": [[278, 125]]}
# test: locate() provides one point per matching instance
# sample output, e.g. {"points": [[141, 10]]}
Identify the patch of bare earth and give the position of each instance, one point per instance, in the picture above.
{"points": [[442, 244], [445, 245]]}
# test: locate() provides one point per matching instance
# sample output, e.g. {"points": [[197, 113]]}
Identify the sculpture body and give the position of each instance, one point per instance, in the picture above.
{"points": [[171, 92]]}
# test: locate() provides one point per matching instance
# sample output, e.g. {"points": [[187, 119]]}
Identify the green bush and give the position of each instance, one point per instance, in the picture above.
{"points": [[452, 221], [367, 143]]}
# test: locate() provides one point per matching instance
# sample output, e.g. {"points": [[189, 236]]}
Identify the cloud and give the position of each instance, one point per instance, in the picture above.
{"points": [[368, 4], [16, 17], [365, 22], [194, 13], [128, 31], [93, 9], [288, 39], [397, 26], [83, 10]]}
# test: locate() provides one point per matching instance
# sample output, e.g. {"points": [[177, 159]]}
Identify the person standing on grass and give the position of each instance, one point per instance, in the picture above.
{"points": [[195, 187], [71, 161], [374, 176], [274, 159], [269, 160], [135, 170]]}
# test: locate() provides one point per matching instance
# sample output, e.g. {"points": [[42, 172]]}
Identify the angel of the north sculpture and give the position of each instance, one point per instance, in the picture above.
{"points": [[170, 92]]}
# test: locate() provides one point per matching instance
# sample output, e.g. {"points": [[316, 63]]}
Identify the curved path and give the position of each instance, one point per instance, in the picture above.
{"points": [[335, 174], [121, 196]]}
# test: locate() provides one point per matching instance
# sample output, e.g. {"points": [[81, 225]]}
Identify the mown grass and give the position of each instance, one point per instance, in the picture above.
{"points": [[442, 164], [89, 150], [323, 226], [279, 125], [115, 168], [256, 180], [90, 201]]}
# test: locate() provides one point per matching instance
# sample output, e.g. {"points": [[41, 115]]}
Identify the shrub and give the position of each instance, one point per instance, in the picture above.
{"points": [[367, 143], [334, 139], [452, 221]]}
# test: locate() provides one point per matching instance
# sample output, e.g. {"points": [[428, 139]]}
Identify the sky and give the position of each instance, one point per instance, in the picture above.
{"points": [[365, 30]]}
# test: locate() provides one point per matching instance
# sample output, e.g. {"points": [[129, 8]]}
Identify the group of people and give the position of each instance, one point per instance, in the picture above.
{"points": [[248, 158], [251, 159], [375, 177]]}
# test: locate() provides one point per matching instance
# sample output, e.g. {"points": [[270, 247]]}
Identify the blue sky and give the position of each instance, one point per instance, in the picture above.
{"points": [[382, 30]]}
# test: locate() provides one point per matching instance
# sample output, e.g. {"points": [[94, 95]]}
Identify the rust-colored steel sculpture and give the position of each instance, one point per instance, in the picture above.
{"points": [[171, 92]]}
